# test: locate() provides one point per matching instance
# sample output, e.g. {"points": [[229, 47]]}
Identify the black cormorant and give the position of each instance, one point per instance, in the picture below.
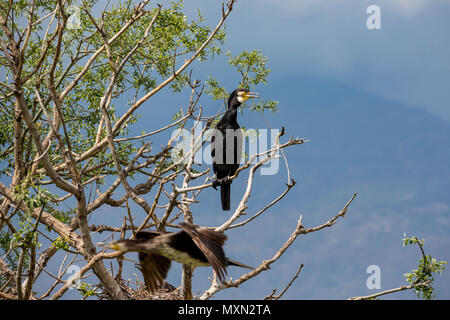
{"points": [[193, 245], [226, 163]]}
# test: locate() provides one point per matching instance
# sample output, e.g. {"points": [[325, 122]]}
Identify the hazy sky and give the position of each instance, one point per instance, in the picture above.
{"points": [[407, 60]]}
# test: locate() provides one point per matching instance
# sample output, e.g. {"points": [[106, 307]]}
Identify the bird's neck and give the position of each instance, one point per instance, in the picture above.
{"points": [[231, 115], [234, 104], [140, 246]]}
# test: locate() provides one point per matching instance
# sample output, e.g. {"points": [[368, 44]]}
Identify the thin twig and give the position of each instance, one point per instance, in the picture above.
{"points": [[402, 288], [272, 296]]}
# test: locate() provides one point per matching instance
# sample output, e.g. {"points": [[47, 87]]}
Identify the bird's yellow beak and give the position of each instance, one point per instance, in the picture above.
{"points": [[250, 95], [112, 245]]}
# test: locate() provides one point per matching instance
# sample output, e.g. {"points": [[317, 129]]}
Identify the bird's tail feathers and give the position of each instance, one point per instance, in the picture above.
{"points": [[225, 196], [238, 264]]}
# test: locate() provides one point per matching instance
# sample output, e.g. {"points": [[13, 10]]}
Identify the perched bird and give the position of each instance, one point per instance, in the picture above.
{"points": [[226, 145], [193, 245]]}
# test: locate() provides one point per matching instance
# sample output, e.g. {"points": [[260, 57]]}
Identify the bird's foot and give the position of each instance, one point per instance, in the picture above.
{"points": [[226, 180], [216, 183], [220, 182]]}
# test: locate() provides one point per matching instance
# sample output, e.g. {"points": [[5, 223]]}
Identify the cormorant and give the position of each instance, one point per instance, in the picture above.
{"points": [[193, 245], [226, 163]]}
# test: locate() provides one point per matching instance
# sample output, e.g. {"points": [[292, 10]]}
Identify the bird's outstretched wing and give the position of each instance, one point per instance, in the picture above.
{"points": [[210, 242], [154, 267]]}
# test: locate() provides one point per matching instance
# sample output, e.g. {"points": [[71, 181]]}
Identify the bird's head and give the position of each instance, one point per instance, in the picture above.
{"points": [[118, 245], [239, 96]]}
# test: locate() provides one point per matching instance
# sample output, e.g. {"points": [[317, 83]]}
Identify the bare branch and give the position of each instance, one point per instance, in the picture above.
{"points": [[402, 288], [288, 188], [265, 265], [272, 296], [332, 221]]}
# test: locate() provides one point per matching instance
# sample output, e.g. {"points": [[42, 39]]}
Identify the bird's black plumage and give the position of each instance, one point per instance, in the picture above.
{"points": [[226, 145], [193, 245]]}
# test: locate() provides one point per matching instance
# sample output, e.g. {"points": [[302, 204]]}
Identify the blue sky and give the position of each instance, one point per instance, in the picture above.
{"points": [[407, 60], [374, 104]]}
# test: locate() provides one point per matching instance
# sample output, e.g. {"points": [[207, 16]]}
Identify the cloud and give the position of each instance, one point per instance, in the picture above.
{"points": [[308, 7], [302, 8], [408, 7], [433, 208]]}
